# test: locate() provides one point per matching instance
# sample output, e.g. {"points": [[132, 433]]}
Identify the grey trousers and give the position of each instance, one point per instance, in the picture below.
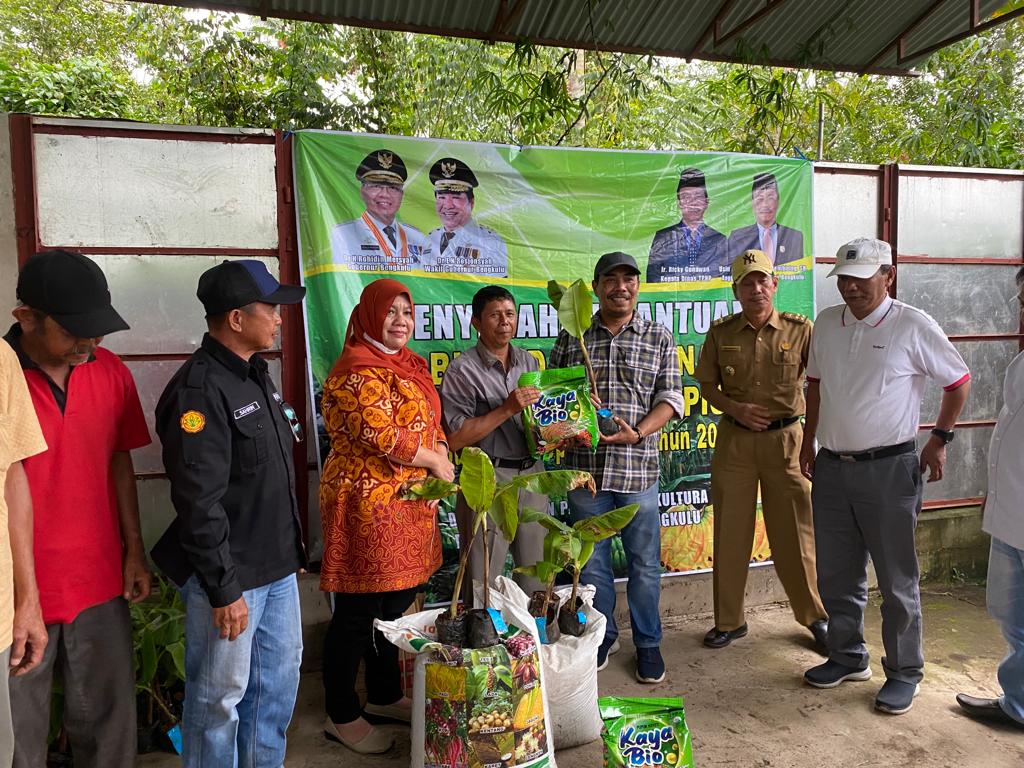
{"points": [[6, 729], [861, 509], [94, 653], [527, 548]]}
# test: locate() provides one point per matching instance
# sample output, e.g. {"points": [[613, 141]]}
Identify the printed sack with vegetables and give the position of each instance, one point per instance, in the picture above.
{"points": [[475, 708]]}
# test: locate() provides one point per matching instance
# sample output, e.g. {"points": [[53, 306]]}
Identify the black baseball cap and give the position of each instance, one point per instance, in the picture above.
{"points": [[233, 284], [72, 289], [610, 261]]}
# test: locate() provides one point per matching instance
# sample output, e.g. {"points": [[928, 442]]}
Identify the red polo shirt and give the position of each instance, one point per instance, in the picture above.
{"points": [[77, 546]]}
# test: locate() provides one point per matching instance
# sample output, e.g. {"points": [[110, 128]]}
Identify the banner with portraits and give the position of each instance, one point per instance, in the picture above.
{"points": [[447, 218]]}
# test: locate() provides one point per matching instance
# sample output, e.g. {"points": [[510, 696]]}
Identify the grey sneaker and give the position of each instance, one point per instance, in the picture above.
{"points": [[896, 697]]}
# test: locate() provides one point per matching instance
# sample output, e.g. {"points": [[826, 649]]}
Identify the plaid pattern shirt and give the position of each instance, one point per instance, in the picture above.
{"points": [[635, 371]]}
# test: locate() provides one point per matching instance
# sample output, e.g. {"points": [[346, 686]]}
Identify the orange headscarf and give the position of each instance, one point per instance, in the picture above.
{"points": [[367, 319]]}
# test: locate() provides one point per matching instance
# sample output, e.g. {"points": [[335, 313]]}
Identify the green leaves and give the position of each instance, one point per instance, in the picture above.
{"points": [[555, 482], [477, 479], [602, 526], [431, 489], [543, 571], [575, 306]]}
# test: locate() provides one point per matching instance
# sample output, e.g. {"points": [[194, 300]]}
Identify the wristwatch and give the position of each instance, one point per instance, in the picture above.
{"points": [[946, 436], [639, 435]]}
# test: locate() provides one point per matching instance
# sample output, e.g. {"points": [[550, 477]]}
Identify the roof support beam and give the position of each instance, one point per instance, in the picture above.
{"points": [[973, 29], [745, 25], [899, 39], [509, 12], [712, 29]]}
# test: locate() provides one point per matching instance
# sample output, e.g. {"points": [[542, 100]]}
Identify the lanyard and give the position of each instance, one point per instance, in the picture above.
{"points": [[383, 241]]}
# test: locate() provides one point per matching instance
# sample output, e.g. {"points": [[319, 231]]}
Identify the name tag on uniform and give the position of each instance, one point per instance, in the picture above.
{"points": [[731, 348], [245, 410]]}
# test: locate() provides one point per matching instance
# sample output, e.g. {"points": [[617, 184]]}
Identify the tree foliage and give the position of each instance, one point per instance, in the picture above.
{"points": [[118, 59]]}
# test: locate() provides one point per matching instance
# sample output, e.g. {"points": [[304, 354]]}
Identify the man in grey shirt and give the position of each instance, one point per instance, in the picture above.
{"points": [[482, 401]]}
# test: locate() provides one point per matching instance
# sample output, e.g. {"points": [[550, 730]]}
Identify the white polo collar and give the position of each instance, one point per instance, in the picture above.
{"points": [[874, 319]]}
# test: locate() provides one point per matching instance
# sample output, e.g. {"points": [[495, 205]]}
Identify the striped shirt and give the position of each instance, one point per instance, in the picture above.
{"points": [[636, 370]]}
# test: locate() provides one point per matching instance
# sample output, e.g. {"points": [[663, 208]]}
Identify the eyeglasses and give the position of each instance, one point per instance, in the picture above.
{"points": [[293, 421]]}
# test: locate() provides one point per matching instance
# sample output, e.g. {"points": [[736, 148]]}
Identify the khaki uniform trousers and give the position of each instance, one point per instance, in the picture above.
{"points": [[742, 460]]}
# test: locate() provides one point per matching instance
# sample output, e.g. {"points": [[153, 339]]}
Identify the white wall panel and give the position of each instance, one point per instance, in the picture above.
{"points": [[110, 191]]}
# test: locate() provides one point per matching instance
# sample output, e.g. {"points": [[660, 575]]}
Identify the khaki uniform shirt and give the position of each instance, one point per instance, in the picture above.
{"points": [[764, 366], [20, 437]]}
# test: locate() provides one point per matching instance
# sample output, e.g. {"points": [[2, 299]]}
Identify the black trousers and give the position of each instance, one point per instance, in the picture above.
{"points": [[351, 639]]}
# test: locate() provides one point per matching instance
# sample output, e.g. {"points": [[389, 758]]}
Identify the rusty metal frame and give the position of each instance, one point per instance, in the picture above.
{"points": [[712, 29], [750, 21], [471, 34], [292, 353], [506, 17], [89, 128], [23, 179], [900, 39], [293, 334], [973, 28]]}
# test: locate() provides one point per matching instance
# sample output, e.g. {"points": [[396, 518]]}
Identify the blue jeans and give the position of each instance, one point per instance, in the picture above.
{"points": [[642, 541], [239, 694], [1005, 597]]}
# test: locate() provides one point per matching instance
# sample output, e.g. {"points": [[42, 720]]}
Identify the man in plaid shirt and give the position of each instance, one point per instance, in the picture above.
{"points": [[638, 379]]}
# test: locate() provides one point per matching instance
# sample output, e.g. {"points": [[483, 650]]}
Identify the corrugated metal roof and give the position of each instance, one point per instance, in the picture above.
{"points": [[844, 35]]}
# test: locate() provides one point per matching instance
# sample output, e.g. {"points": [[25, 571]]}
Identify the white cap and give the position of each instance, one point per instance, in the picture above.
{"points": [[861, 257]]}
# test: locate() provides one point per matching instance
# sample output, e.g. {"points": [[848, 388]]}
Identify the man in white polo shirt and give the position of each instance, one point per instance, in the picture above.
{"points": [[866, 375], [1004, 521]]}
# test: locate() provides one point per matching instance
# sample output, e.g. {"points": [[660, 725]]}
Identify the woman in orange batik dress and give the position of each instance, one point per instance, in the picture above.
{"points": [[383, 415]]}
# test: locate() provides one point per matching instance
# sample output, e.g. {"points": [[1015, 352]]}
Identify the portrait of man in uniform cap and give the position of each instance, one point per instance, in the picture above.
{"points": [[781, 244], [690, 249], [460, 244], [377, 241]]}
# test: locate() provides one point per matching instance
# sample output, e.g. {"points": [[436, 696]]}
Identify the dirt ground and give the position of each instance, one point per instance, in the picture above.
{"points": [[747, 706]]}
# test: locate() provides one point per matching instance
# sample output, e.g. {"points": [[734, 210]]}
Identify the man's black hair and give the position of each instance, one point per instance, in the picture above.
{"points": [[763, 180], [486, 295], [467, 192]]}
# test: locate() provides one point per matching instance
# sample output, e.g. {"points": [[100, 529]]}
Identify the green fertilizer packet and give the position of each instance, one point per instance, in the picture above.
{"points": [[564, 417], [645, 732]]}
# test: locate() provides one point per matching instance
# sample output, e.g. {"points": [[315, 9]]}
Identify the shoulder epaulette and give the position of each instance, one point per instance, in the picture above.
{"points": [[794, 317], [197, 373], [722, 320]]}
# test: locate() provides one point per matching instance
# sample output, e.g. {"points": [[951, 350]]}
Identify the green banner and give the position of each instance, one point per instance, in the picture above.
{"points": [[541, 213]]}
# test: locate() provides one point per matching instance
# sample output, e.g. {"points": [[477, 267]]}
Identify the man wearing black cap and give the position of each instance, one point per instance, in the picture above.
{"points": [[377, 241], [638, 379], [781, 244], [689, 250], [87, 544], [236, 543], [460, 244]]}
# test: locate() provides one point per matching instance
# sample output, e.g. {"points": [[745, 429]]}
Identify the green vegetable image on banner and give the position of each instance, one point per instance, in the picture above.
{"points": [[536, 215]]}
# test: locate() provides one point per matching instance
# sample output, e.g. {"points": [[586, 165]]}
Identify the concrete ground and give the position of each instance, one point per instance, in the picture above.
{"points": [[747, 706]]}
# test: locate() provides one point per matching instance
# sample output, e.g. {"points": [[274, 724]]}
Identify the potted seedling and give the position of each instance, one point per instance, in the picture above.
{"points": [[574, 304], [491, 504], [570, 547]]}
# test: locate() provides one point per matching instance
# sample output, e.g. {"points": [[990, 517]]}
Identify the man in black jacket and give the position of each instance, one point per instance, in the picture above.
{"points": [[236, 543]]}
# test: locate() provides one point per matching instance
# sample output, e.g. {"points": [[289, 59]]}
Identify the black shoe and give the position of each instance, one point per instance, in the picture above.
{"points": [[832, 673], [985, 709], [896, 696], [719, 638], [819, 629]]}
